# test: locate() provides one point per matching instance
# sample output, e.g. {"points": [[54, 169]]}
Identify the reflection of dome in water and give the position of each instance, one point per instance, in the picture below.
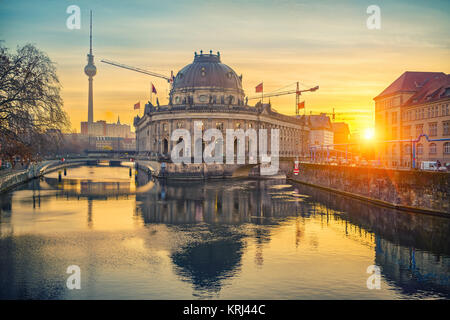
{"points": [[207, 263]]}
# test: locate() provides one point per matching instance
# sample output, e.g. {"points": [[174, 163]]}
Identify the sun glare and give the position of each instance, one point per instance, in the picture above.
{"points": [[369, 133]]}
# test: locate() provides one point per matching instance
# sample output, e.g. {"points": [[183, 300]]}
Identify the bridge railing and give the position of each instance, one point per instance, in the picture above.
{"points": [[326, 153]]}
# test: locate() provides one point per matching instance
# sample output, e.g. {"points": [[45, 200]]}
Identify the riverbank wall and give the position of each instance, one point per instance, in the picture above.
{"points": [[194, 171], [409, 190]]}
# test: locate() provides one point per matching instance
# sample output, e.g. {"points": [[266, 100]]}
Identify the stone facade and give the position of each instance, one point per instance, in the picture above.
{"points": [[154, 130]]}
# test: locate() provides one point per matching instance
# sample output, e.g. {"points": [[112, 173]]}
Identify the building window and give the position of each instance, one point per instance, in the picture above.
{"points": [[447, 148], [219, 125], [238, 125], [179, 125], [432, 129], [407, 149], [394, 117], [419, 148], [165, 127], [446, 126], [394, 149], [432, 149], [203, 98], [419, 129], [394, 132], [199, 125], [445, 110], [407, 132]]}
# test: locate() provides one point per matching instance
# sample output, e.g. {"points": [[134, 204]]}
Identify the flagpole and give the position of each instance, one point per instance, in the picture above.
{"points": [[262, 93]]}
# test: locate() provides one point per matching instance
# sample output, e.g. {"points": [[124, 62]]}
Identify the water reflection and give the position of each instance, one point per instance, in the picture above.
{"points": [[411, 249], [216, 239], [210, 260]]}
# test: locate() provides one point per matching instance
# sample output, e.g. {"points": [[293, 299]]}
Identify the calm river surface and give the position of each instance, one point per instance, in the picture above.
{"points": [[240, 239]]}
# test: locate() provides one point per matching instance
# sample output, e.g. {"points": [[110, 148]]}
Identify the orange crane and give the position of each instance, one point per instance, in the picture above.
{"points": [[297, 92], [349, 115]]}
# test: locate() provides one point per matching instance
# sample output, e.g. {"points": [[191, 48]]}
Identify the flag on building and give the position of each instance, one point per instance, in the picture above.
{"points": [[301, 105], [153, 89], [259, 87], [137, 105]]}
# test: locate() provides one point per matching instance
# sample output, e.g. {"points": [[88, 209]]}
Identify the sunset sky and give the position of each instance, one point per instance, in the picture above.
{"points": [[323, 43]]}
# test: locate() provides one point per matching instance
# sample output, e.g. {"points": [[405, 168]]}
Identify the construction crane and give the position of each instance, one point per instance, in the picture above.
{"points": [[150, 73], [297, 92], [344, 115]]}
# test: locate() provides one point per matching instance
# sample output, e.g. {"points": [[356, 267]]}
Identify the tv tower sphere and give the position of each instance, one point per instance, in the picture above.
{"points": [[90, 69]]}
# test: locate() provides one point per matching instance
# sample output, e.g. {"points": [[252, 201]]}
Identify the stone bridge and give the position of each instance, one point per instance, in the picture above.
{"points": [[10, 179]]}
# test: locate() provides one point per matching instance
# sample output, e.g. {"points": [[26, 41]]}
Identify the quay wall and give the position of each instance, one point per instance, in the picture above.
{"points": [[409, 190], [195, 171]]}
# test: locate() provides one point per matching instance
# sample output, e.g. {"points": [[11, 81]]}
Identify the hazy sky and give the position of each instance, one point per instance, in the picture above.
{"points": [[323, 43]]}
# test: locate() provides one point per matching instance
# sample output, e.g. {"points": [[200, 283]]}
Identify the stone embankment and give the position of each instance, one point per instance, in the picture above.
{"points": [[409, 190]]}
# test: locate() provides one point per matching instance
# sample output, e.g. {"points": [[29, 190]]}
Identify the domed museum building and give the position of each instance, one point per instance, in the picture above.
{"points": [[210, 92]]}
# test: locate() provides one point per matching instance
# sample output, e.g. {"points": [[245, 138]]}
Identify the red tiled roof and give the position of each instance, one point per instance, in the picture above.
{"points": [[434, 90], [410, 81]]}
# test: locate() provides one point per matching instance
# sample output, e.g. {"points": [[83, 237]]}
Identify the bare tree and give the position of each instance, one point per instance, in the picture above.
{"points": [[31, 113]]}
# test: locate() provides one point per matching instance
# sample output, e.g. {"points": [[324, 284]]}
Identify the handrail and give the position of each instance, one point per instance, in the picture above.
{"points": [[314, 148]]}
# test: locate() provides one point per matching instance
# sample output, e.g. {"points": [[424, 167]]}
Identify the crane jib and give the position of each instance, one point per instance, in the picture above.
{"points": [[282, 93], [150, 73]]}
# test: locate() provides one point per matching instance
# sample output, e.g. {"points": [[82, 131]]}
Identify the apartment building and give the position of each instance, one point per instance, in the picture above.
{"points": [[417, 103]]}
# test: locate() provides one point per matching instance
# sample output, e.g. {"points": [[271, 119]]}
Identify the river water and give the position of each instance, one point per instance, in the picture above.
{"points": [[136, 238]]}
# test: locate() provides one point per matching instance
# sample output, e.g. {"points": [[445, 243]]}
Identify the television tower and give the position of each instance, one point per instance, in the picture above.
{"points": [[90, 70]]}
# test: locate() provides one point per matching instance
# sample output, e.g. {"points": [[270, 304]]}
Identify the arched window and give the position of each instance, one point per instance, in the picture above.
{"points": [[165, 146], [419, 148], [447, 148], [432, 149]]}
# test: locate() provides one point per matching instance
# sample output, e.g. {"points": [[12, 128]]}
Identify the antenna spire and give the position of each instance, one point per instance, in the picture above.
{"points": [[90, 35]]}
